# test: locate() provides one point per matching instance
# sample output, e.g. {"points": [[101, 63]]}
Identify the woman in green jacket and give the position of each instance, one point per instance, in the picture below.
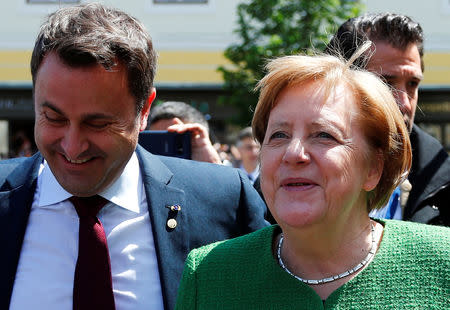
{"points": [[333, 148]]}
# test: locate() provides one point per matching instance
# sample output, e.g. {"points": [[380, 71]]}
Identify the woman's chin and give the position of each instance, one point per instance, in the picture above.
{"points": [[297, 218]]}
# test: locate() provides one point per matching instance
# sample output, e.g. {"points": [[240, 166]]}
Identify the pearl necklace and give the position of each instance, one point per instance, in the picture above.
{"points": [[331, 278]]}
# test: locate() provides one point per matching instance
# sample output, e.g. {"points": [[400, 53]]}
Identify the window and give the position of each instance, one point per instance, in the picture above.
{"points": [[446, 6], [179, 1], [182, 6], [53, 1]]}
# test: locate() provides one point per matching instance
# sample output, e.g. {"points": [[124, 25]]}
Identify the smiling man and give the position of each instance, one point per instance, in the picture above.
{"points": [[88, 136], [93, 221], [396, 57]]}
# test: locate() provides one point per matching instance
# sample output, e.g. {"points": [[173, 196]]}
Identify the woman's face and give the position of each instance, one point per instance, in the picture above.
{"points": [[315, 165]]}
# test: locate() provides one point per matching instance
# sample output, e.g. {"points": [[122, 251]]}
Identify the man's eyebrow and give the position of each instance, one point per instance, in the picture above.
{"points": [[95, 116], [47, 104], [418, 77], [86, 117]]}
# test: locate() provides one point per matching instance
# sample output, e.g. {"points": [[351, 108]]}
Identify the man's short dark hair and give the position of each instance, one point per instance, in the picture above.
{"points": [[91, 34], [245, 133], [397, 30], [171, 109]]}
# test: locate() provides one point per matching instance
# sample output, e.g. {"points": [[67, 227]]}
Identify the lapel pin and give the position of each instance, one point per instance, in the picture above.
{"points": [[174, 208], [171, 217], [171, 223]]}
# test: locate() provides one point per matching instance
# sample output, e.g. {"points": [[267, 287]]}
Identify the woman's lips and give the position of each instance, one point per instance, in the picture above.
{"points": [[298, 184]]}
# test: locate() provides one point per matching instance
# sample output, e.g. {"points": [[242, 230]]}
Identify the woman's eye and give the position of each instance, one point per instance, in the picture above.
{"points": [[325, 135], [278, 135]]}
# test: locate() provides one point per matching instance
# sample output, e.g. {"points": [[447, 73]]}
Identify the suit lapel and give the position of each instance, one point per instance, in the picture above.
{"points": [[16, 198], [171, 244]]}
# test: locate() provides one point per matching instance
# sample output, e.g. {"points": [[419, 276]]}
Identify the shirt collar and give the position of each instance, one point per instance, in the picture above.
{"points": [[254, 174], [125, 192]]}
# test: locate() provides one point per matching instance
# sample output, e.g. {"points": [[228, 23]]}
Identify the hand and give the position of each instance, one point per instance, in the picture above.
{"points": [[202, 148]]}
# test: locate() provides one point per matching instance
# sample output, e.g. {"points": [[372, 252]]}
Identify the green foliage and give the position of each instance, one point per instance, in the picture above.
{"points": [[272, 28]]}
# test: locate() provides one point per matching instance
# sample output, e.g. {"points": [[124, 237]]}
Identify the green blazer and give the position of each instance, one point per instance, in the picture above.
{"points": [[411, 270]]}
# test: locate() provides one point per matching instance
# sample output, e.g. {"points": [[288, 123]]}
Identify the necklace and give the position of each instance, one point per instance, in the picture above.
{"points": [[330, 278]]}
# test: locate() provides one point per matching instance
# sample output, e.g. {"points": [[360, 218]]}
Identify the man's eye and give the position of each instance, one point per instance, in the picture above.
{"points": [[53, 118], [99, 125], [413, 84]]}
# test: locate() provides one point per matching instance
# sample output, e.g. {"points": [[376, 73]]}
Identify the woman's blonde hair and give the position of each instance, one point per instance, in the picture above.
{"points": [[378, 115]]}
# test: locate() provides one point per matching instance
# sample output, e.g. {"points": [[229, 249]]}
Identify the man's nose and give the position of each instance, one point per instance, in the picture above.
{"points": [[74, 142], [403, 101]]}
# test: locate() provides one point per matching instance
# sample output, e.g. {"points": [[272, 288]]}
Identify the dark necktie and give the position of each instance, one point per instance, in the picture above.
{"points": [[92, 282], [250, 177]]}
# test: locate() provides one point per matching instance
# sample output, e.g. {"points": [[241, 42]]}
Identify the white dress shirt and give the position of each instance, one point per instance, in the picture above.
{"points": [[392, 210], [252, 176], [44, 278]]}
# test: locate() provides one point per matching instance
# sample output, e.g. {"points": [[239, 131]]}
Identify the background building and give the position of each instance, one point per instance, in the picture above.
{"points": [[190, 36]]}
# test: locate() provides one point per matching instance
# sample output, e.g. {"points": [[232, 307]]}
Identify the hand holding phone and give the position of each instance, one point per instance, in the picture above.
{"points": [[161, 142], [201, 146]]}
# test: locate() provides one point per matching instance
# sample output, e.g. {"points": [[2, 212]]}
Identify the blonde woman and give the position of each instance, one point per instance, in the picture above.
{"points": [[333, 147]]}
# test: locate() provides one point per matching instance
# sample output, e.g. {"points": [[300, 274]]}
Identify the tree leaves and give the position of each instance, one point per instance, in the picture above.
{"points": [[273, 28]]}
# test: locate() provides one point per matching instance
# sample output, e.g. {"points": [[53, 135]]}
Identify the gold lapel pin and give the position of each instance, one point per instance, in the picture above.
{"points": [[171, 223], [174, 208]]}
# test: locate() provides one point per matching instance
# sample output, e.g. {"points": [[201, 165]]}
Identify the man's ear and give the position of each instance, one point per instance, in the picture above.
{"points": [[375, 172], [146, 109]]}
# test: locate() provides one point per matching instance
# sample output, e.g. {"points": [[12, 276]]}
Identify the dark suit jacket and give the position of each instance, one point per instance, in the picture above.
{"points": [[216, 202], [429, 198]]}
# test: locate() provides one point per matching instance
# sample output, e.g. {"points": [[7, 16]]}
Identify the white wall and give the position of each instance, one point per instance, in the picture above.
{"points": [[172, 26], [433, 16]]}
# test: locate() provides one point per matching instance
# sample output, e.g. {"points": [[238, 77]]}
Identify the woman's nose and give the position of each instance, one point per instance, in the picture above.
{"points": [[296, 153]]}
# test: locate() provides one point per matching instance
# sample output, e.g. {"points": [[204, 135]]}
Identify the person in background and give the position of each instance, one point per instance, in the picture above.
{"points": [[93, 221], [21, 145], [248, 150], [397, 57], [176, 116], [229, 154], [333, 147]]}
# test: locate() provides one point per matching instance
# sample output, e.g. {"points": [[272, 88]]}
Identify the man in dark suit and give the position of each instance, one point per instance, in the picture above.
{"points": [[93, 70], [397, 58]]}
